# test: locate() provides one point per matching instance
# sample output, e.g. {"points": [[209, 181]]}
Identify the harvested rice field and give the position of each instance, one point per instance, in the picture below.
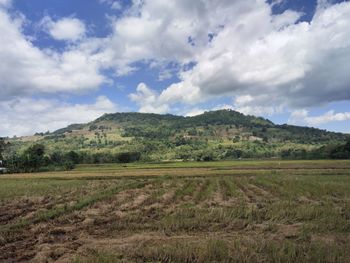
{"points": [[238, 211]]}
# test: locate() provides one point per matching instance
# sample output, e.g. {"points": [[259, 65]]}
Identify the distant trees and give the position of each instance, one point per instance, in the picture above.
{"points": [[330, 151], [149, 132], [150, 137], [2, 147], [341, 152], [205, 156], [296, 154], [192, 132], [128, 157], [35, 158], [93, 127], [236, 139], [233, 154]]}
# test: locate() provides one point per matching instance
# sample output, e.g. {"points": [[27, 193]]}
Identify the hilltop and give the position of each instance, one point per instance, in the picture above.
{"points": [[222, 134]]}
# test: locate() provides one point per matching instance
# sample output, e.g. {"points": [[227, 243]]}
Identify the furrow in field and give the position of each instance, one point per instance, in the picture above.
{"points": [[206, 190], [260, 192], [187, 190], [247, 194], [272, 185]]}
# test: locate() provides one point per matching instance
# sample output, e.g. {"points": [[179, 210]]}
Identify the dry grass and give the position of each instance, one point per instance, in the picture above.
{"points": [[179, 214]]}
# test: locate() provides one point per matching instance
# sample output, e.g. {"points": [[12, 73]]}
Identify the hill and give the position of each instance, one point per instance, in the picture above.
{"points": [[222, 134]]}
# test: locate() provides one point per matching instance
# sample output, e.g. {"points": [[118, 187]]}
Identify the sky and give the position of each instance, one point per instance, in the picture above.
{"points": [[64, 61]]}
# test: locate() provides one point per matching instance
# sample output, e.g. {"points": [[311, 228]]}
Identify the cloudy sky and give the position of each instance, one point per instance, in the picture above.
{"points": [[65, 61]]}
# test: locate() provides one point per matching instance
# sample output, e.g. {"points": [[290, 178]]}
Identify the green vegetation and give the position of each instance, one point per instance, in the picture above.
{"points": [[34, 159], [12, 188], [2, 147], [212, 136], [229, 211]]}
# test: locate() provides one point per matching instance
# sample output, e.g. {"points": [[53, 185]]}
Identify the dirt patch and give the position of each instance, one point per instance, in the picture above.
{"points": [[16, 209], [168, 197], [289, 231]]}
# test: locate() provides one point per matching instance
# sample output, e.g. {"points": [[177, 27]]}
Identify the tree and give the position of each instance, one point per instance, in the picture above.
{"points": [[2, 147], [236, 139], [341, 152], [128, 157], [56, 157], [73, 157], [34, 157]]}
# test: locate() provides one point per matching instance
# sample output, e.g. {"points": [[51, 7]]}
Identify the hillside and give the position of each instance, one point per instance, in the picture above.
{"points": [[223, 134]]}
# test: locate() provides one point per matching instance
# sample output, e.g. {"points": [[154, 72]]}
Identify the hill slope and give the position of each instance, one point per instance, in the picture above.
{"points": [[223, 134]]}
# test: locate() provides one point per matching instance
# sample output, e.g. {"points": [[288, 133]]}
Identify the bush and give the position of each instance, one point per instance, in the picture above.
{"points": [[128, 157]]}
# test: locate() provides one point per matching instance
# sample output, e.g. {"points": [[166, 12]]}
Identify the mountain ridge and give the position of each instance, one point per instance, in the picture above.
{"points": [[127, 116], [221, 134]]}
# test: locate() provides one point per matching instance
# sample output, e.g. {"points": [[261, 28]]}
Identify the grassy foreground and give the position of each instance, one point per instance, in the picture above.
{"points": [[242, 211]]}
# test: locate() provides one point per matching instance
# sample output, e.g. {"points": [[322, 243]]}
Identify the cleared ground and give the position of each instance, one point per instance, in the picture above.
{"points": [[243, 211]]}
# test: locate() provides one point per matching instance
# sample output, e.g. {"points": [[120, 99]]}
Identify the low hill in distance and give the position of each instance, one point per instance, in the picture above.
{"points": [[214, 135]]}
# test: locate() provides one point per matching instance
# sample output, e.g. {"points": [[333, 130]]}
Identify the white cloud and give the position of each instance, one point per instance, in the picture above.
{"points": [[302, 117], [252, 52], [259, 110], [150, 101], [5, 3], [195, 112], [165, 31], [68, 28], [114, 4], [266, 63], [147, 99], [256, 105], [25, 116], [279, 58], [198, 111], [26, 69]]}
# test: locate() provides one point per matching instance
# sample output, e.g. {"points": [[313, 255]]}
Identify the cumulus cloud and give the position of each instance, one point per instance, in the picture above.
{"points": [[294, 64], [24, 116], [197, 111], [68, 28], [25, 69], [302, 117], [259, 105], [239, 49], [147, 99], [168, 31], [233, 56], [5, 3]]}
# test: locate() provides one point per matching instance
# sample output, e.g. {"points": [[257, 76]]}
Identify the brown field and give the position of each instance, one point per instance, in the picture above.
{"points": [[243, 211]]}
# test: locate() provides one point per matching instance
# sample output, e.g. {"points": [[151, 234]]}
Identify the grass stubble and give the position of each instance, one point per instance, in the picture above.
{"points": [[277, 215]]}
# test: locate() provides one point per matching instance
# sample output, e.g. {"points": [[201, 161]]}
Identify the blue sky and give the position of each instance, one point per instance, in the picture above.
{"points": [[71, 61]]}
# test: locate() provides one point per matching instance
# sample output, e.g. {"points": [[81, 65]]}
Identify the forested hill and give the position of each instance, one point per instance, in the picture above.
{"points": [[222, 134], [212, 122], [220, 117]]}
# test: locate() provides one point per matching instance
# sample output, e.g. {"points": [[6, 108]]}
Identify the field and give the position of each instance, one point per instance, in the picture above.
{"points": [[239, 211]]}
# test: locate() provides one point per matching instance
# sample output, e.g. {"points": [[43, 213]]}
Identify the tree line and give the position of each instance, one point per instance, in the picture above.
{"points": [[36, 159]]}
